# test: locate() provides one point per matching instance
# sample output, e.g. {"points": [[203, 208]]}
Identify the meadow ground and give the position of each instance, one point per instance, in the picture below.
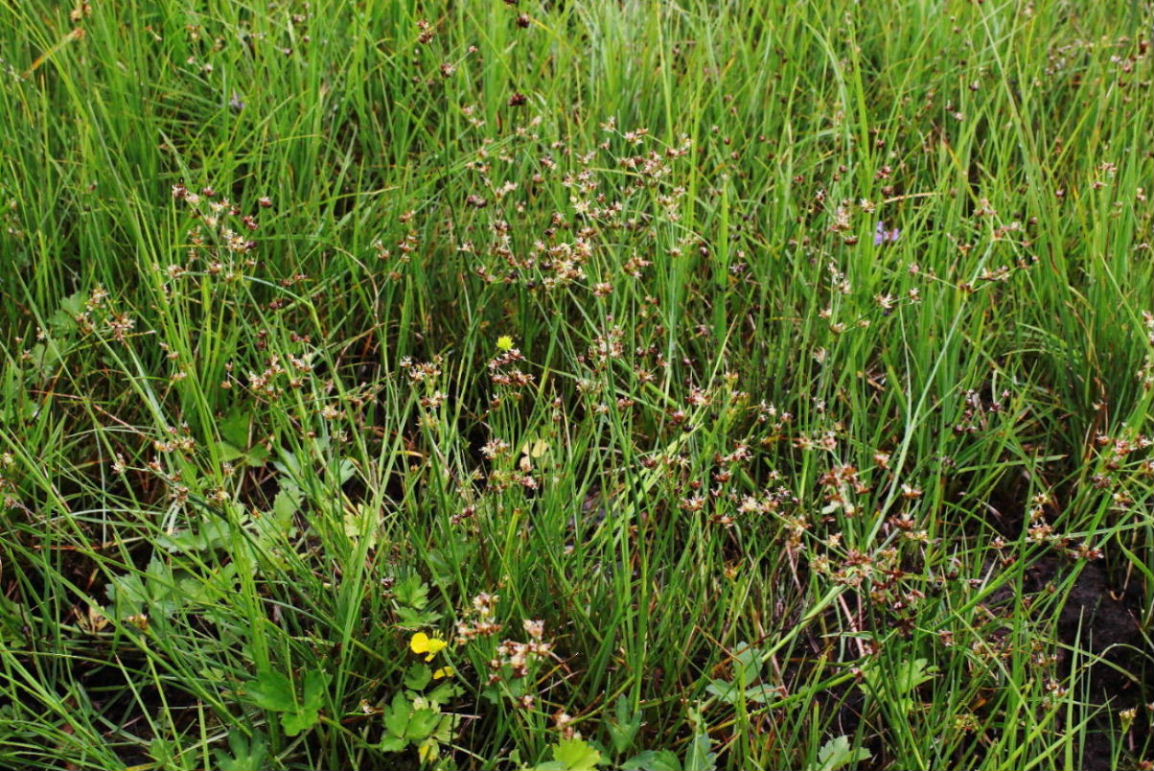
{"points": [[576, 384]]}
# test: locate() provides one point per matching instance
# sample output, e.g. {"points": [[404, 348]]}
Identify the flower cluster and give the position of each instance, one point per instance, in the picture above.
{"points": [[479, 621]]}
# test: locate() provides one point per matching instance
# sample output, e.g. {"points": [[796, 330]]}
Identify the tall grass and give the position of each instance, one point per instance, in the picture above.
{"points": [[332, 330]]}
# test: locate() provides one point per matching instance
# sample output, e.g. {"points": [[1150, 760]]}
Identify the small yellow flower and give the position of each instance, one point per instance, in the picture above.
{"points": [[428, 751], [444, 672], [422, 643], [505, 343]]}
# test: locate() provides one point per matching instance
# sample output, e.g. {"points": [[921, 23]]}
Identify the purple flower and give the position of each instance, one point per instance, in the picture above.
{"points": [[881, 235]]}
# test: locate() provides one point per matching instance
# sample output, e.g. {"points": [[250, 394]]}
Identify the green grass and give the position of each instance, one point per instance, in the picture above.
{"points": [[781, 497]]}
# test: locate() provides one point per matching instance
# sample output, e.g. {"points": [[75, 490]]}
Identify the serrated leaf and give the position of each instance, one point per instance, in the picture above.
{"points": [[701, 757], [422, 723], [272, 691], [724, 690], [446, 561], [913, 673], [397, 716], [624, 728], [316, 681], [746, 663], [836, 753], [45, 356], [344, 470], [288, 465], [163, 596], [287, 501], [661, 760], [257, 455], [155, 592], [212, 534], [412, 591], [407, 618], [229, 453], [361, 520], [242, 755], [74, 304], [62, 323], [127, 595], [444, 693], [418, 676], [761, 694], [444, 731]]}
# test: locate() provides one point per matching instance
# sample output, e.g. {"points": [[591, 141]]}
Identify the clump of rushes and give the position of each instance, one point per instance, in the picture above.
{"points": [[523, 389]]}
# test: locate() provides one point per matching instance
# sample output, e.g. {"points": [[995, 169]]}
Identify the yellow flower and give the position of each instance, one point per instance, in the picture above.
{"points": [[428, 751], [444, 672], [505, 343], [422, 643]]}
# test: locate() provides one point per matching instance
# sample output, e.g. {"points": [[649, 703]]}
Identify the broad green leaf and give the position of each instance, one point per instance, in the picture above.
{"points": [[444, 730], [575, 755]]}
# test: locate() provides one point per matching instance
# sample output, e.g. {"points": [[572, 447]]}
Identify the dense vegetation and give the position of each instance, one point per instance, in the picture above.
{"points": [[575, 384]]}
